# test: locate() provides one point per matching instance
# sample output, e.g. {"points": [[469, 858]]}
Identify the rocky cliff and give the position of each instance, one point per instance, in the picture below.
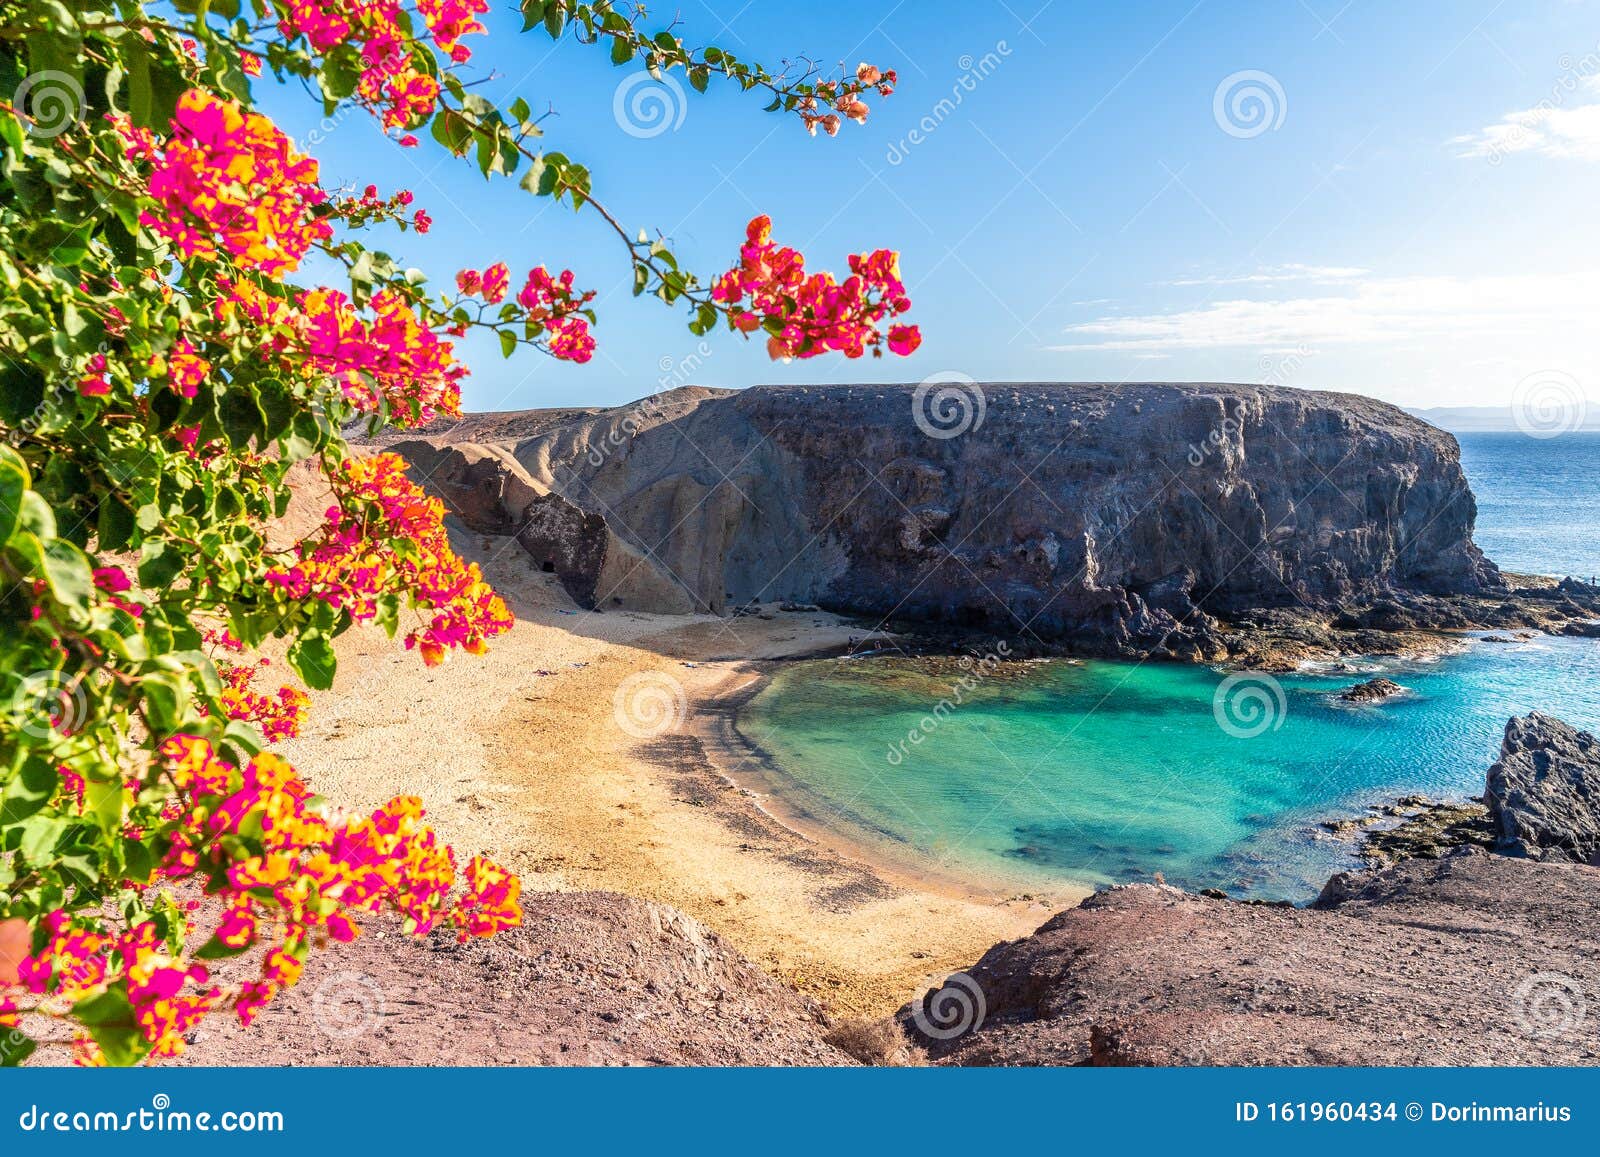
{"points": [[1136, 517]]}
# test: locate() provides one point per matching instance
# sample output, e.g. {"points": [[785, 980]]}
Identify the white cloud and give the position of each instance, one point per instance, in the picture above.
{"points": [[1552, 128], [1275, 274], [1506, 311]]}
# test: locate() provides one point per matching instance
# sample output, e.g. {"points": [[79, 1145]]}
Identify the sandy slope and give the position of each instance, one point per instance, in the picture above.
{"points": [[520, 754]]}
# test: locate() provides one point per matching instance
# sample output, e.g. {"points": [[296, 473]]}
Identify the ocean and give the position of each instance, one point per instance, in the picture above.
{"points": [[1105, 772], [1538, 501]]}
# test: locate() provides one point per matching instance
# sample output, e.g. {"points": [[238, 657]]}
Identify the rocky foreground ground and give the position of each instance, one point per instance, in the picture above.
{"points": [[1472, 959], [591, 978]]}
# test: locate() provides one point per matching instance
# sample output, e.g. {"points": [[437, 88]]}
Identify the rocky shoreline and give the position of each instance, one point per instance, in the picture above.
{"points": [[1415, 827]]}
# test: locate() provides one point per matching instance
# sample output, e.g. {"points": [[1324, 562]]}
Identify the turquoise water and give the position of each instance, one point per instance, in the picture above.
{"points": [[1110, 772]]}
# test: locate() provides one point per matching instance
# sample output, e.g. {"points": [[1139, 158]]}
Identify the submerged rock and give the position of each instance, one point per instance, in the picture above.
{"points": [[1372, 691], [1427, 831]]}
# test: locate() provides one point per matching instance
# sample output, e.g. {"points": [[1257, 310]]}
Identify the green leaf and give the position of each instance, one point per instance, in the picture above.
{"points": [[215, 949], [28, 790], [277, 405], [305, 435], [39, 835], [13, 484], [508, 343], [35, 515], [621, 50], [451, 130], [110, 1019], [166, 700], [313, 660], [15, 1047], [555, 20], [158, 566], [241, 416], [66, 569]]}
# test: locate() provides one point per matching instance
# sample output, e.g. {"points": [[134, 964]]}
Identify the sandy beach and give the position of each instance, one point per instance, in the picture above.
{"points": [[532, 755]]}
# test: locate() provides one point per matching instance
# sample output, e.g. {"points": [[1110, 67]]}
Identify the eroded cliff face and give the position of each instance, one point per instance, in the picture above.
{"points": [[1130, 514]]}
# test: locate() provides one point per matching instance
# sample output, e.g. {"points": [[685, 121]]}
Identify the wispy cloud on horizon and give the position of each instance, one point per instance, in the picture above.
{"points": [[1275, 274], [1520, 309]]}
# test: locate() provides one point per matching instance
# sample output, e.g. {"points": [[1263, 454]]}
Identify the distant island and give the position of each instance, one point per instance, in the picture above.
{"points": [[1485, 419]]}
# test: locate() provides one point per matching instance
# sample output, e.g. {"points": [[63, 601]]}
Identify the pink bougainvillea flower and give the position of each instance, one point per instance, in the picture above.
{"points": [[811, 314]]}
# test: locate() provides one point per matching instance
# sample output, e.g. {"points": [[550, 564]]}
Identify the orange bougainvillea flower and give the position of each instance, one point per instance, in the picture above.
{"points": [[228, 181]]}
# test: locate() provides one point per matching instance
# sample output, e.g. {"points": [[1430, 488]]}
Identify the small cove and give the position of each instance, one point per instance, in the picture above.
{"points": [[1105, 772]]}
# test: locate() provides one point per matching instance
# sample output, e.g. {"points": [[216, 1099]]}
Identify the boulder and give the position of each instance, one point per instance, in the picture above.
{"points": [[1544, 791]]}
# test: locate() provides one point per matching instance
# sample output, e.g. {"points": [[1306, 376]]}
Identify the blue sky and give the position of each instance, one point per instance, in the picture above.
{"points": [[1412, 217]]}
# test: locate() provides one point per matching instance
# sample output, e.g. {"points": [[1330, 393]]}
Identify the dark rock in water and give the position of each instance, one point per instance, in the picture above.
{"points": [[1495, 639], [1544, 791], [1372, 691], [1427, 830]]}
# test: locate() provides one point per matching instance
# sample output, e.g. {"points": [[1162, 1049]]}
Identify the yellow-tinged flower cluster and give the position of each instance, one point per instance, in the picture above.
{"points": [[289, 877], [398, 544]]}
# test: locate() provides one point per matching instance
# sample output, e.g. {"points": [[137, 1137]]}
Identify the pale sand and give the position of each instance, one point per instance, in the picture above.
{"points": [[535, 771]]}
